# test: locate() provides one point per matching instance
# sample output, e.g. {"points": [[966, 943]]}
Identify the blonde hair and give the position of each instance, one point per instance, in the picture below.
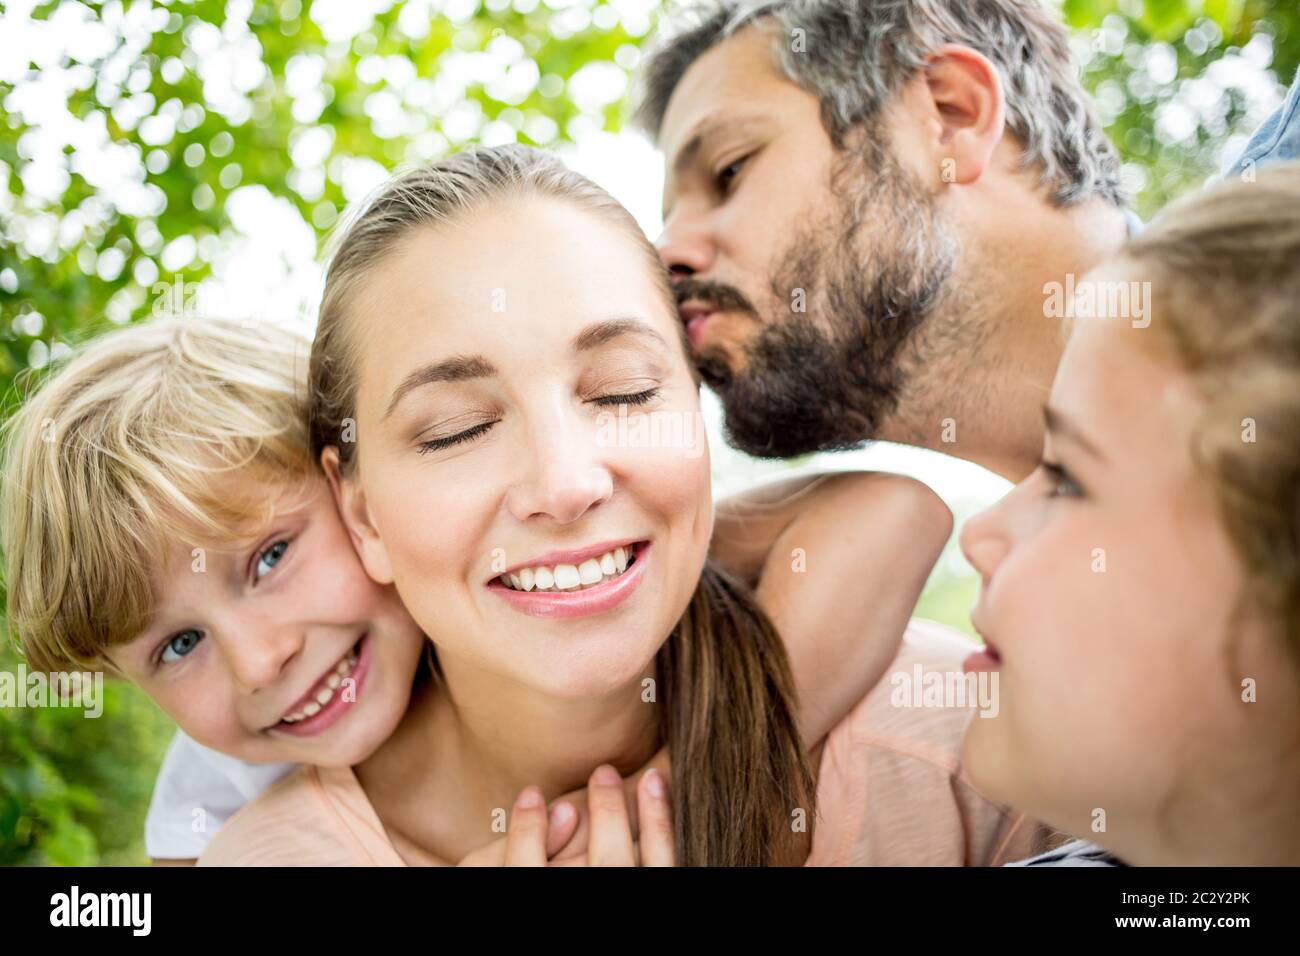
{"points": [[1227, 264], [133, 445], [728, 711]]}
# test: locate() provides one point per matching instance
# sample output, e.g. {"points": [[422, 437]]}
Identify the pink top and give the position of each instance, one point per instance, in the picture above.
{"points": [[890, 791]]}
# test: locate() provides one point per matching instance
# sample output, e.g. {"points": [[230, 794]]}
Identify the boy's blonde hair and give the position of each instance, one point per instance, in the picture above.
{"points": [[1226, 264], [133, 446]]}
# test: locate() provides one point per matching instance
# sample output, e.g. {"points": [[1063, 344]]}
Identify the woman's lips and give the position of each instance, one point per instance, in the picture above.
{"points": [[597, 599], [334, 710]]}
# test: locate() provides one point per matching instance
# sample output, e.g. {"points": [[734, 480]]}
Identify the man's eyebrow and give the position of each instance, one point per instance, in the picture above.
{"points": [[456, 369], [703, 130], [598, 333], [1059, 424]]}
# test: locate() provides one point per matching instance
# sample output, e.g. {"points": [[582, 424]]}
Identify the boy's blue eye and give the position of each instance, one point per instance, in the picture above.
{"points": [[270, 558], [180, 645]]}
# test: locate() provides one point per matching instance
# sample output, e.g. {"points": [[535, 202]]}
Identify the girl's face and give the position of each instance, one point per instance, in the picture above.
{"points": [[526, 419], [284, 652], [1114, 611]]}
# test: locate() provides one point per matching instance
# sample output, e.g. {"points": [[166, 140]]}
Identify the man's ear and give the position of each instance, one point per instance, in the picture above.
{"points": [[969, 111], [351, 503]]}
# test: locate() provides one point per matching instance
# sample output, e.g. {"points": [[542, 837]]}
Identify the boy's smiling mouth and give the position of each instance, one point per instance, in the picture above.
{"points": [[325, 702]]}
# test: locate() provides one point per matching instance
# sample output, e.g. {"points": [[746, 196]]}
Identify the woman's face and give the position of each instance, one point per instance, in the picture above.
{"points": [[526, 419], [1110, 604]]}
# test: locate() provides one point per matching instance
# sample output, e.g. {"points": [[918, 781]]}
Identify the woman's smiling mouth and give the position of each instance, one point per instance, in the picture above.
{"points": [[576, 583]]}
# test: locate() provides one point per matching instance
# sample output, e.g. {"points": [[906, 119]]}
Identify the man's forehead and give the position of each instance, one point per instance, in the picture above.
{"points": [[737, 74]]}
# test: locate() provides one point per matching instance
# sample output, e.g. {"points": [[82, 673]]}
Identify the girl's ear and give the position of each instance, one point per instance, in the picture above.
{"points": [[350, 500]]}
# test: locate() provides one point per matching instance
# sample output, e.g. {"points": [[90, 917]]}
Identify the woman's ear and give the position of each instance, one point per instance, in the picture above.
{"points": [[969, 111], [350, 500]]}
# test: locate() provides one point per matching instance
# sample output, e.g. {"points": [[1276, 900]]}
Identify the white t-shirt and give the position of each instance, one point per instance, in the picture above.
{"points": [[197, 790]]}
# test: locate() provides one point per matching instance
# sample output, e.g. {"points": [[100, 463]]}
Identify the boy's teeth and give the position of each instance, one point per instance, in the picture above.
{"points": [[325, 691], [567, 577]]}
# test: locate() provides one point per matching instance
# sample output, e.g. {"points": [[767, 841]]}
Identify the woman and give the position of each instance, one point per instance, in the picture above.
{"points": [[498, 358]]}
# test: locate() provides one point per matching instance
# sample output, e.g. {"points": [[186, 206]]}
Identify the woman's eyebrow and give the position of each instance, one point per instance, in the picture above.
{"points": [[457, 369], [1061, 426], [598, 333]]}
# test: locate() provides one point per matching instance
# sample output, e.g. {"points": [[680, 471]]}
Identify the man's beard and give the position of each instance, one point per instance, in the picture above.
{"points": [[827, 379]]}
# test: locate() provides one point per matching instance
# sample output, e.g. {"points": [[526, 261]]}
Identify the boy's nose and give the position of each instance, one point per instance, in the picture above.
{"points": [[258, 653]]}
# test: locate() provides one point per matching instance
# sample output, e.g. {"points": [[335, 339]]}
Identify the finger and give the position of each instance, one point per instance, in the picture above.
{"points": [[610, 840], [657, 843], [563, 822], [526, 832], [491, 854]]}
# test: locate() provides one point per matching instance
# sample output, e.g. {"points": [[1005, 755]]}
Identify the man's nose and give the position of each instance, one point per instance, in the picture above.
{"points": [[686, 246]]}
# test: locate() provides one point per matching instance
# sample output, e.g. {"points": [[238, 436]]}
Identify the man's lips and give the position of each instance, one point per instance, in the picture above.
{"points": [[695, 316]]}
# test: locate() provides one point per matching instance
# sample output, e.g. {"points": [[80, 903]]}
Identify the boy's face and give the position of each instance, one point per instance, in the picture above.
{"points": [[284, 651]]}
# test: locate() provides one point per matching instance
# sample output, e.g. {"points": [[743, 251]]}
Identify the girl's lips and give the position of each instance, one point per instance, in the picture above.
{"points": [[598, 599], [984, 659], [333, 711]]}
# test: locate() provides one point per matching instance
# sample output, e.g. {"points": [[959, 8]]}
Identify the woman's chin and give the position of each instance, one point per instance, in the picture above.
{"points": [[587, 679]]}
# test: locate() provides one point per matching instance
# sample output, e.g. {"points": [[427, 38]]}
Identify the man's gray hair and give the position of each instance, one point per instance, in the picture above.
{"points": [[855, 55]]}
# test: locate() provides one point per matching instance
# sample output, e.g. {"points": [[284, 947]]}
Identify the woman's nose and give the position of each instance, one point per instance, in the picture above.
{"points": [[566, 479]]}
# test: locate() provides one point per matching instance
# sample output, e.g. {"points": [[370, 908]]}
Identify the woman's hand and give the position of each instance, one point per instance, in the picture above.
{"points": [[611, 840]]}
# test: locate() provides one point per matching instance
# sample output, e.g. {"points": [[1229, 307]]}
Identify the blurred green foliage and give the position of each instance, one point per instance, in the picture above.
{"points": [[196, 100]]}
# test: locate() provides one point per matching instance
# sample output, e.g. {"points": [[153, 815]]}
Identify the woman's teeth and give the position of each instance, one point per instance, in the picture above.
{"points": [[325, 689], [570, 577]]}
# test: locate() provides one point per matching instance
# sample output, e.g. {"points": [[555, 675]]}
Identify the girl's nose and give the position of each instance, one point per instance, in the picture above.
{"points": [[984, 540]]}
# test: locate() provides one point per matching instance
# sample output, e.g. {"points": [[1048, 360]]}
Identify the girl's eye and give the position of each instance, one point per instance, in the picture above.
{"points": [[635, 398], [179, 645], [436, 444], [270, 558], [1061, 481]]}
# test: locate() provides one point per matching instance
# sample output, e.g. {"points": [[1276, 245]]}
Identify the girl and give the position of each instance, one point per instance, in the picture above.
{"points": [[1141, 590]]}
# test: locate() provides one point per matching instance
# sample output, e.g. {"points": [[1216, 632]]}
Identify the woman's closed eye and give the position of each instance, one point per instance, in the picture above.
{"points": [[627, 398]]}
